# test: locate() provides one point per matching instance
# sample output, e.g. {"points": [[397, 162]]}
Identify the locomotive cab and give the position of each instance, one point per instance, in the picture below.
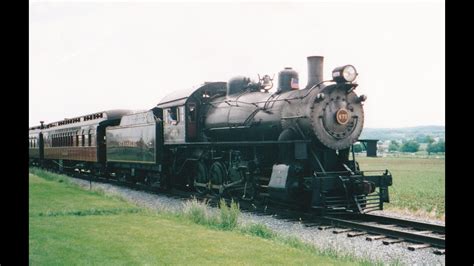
{"points": [[183, 112]]}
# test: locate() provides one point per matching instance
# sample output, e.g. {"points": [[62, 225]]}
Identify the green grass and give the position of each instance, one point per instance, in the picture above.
{"points": [[151, 239], [46, 198], [69, 225], [418, 184], [259, 230]]}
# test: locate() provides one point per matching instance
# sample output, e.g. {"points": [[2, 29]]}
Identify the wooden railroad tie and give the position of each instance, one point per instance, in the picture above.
{"points": [[418, 246], [353, 234], [392, 241], [372, 238], [439, 251], [338, 231], [324, 227]]}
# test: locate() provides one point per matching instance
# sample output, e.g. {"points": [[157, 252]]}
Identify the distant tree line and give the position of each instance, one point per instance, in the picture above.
{"points": [[413, 145], [436, 147]]}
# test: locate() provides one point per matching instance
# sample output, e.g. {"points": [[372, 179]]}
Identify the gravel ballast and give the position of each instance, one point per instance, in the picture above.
{"points": [[322, 239]]}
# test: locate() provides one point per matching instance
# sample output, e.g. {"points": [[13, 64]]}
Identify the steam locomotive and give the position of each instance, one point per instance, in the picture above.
{"points": [[233, 139]]}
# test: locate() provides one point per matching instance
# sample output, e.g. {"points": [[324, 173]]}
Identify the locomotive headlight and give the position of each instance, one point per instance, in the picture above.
{"points": [[345, 73]]}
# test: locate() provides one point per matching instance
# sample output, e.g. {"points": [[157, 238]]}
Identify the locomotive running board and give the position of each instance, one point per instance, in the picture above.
{"points": [[240, 143]]}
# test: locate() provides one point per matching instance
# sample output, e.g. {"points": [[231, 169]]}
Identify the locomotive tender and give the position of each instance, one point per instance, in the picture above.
{"points": [[232, 139]]}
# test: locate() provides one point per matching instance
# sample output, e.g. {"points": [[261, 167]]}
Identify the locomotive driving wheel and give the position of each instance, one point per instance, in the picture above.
{"points": [[217, 176], [201, 180], [250, 187]]}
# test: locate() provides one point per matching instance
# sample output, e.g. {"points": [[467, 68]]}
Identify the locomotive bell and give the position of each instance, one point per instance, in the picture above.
{"points": [[287, 80]]}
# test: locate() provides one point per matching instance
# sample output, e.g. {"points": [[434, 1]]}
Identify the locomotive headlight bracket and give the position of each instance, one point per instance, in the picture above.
{"points": [[346, 73]]}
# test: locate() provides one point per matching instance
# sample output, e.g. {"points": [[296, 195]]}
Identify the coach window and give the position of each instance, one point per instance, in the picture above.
{"points": [[86, 139], [94, 137]]}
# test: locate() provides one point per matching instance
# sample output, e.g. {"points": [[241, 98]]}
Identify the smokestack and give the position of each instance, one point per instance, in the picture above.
{"points": [[315, 70]]}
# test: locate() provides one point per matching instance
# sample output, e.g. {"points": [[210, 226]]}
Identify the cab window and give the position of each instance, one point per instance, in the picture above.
{"points": [[192, 113], [172, 115]]}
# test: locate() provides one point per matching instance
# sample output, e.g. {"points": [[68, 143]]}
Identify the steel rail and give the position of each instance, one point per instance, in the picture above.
{"points": [[389, 232]]}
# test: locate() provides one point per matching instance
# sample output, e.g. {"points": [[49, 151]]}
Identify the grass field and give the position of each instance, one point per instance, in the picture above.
{"points": [[69, 225], [418, 184]]}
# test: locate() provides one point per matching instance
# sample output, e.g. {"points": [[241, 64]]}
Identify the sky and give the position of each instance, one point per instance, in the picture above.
{"points": [[86, 57]]}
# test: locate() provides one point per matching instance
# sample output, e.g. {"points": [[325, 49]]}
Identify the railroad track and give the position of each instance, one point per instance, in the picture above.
{"points": [[374, 227], [391, 230]]}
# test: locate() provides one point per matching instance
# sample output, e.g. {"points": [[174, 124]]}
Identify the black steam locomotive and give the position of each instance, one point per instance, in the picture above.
{"points": [[232, 139]]}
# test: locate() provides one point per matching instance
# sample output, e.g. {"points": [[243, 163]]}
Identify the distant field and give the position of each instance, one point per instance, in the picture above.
{"points": [[72, 226], [418, 184]]}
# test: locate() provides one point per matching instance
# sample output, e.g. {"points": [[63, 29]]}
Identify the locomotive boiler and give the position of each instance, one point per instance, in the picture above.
{"points": [[329, 114], [238, 139]]}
